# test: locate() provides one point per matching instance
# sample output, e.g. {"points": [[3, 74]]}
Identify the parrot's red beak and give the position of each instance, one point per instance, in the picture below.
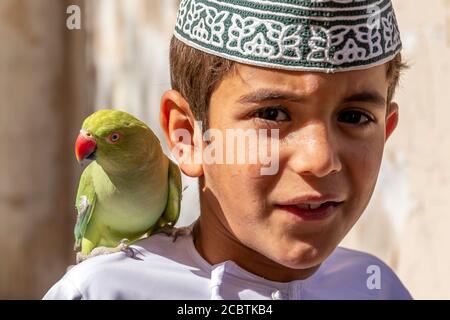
{"points": [[85, 146]]}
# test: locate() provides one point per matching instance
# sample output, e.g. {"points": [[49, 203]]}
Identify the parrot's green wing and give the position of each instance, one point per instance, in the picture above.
{"points": [[84, 204], [172, 210]]}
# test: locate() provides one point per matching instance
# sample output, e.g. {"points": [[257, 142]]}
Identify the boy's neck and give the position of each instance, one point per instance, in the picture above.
{"points": [[216, 244]]}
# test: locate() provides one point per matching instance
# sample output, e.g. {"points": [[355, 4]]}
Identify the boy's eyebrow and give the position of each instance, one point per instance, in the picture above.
{"points": [[366, 96], [262, 95]]}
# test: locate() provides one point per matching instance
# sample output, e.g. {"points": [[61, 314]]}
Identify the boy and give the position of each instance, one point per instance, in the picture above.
{"points": [[318, 77]]}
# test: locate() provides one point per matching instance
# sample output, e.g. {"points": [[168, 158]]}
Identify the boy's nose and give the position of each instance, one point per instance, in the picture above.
{"points": [[313, 152]]}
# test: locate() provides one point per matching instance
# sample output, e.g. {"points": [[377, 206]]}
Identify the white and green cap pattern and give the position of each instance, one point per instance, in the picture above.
{"points": [[308, 35]]}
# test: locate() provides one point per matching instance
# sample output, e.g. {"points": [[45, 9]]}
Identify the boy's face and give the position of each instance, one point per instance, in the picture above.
{"points": [[332, 131]]}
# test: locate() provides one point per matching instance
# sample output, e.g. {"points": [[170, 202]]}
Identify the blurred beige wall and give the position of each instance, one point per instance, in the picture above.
{"points": [[408, 219], [131, 57]]}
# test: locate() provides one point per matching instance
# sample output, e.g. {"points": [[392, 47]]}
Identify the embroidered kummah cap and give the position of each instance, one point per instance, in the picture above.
{"points": [[308, 35]]}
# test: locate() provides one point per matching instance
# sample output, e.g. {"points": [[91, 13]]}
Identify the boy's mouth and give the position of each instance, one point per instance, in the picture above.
{"points": [[312, 207], [312, 211]]}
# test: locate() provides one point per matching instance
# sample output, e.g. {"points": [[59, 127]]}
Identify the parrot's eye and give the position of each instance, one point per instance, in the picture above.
{"points": [[113, 137]]}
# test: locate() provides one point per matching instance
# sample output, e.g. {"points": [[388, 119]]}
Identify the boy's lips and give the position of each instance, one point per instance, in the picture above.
{"points": [[312, 207], [320, 213]]}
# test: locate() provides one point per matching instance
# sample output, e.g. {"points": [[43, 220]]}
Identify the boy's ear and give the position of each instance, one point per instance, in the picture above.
{"points": [[182, 132], [391, 119]]}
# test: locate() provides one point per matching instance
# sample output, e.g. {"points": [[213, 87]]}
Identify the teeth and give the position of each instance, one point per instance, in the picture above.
{"points": [[314, 206], [308, 206]]}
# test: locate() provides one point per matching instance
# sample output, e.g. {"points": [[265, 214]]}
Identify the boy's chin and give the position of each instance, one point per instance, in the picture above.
{"points": [[303, 256]]}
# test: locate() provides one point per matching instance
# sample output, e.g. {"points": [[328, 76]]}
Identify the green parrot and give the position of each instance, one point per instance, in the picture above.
{"points": [[131, 188]]}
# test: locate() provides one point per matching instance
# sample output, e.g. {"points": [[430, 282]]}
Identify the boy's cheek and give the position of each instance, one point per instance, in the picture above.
{"points": [[238, 188], [365, 170], [235, 180]]}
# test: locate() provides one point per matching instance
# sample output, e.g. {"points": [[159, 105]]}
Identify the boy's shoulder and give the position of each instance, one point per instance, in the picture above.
{"points": [[163, 269], [353, 274], [155, 272]]}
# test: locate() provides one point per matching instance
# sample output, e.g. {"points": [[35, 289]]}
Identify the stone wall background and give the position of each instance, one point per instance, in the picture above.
{"points": [[44, 96]]}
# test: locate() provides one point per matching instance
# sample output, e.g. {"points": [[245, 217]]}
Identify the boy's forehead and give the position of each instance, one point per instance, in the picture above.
{"points": [[269, 83]]}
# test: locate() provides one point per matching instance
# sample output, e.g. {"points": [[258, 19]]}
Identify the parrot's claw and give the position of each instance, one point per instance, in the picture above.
{"points": [[122, 247], [80, 258], [70, 267], [176, 232]]}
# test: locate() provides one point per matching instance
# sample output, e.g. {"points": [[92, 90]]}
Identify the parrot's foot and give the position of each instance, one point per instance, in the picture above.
{"points": [[99, 251], [70, 267], [176, 232]]}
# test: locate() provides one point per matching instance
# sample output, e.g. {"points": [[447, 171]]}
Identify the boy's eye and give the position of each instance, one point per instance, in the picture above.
{"points": [[275, 114], [355, 117]]}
